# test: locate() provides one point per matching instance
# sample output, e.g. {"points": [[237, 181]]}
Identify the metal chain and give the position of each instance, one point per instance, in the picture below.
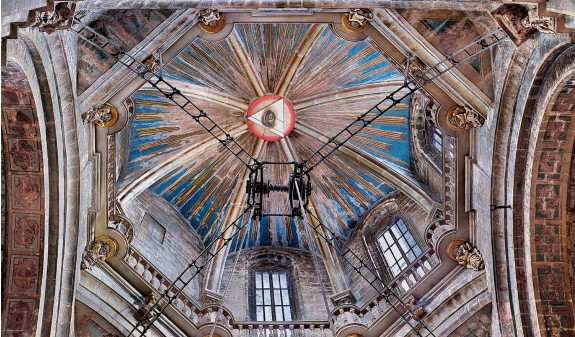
{"points": [[186, 276], [157, 81], [404, 91]]}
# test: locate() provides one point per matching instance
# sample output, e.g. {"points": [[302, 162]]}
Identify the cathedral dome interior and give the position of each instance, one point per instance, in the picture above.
{"points": [[266, 168]]}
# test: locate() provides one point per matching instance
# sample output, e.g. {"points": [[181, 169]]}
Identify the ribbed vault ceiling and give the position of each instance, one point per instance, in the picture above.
{"points": [[335, 81]]}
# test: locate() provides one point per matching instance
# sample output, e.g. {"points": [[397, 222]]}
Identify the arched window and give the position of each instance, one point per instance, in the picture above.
{"points": [[273, 300], [398, 246]]}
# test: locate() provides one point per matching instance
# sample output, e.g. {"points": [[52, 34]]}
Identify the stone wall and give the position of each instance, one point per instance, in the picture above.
{"points": [[308, 301], [163, 237]]}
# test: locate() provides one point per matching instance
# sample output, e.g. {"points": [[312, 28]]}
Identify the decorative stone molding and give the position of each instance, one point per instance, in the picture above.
{"points": [[104, 115], [416, 310], [123, 225], [130, 106], [463, 117], [356, 20], [211, 20], [60, 18], [153, 63], [465, 254], [343, 298], [100, 250], [521, 22], [146, 311], [211, 298]]}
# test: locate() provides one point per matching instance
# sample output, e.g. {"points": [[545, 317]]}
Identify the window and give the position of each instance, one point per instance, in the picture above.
{"points": [[399, 247], [272, 296], [436, 139]]}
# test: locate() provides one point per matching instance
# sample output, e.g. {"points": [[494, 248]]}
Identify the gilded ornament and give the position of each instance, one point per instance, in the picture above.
{"points": [[463, 117], [356, 20], [101, 249], [104, 115], [465, 254], [211, 20]]}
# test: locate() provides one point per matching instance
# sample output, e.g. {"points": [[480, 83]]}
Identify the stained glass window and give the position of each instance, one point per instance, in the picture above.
{"points": [[272, 298], [398, 246]]}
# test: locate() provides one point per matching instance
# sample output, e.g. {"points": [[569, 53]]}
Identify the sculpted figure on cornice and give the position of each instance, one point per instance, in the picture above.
{"points": [[146, 311], [209, 17], [522, 23], [101, 249], [103, 115], [465, 254], [463, 117], [416, 310], [356, 20], [60, 18]]}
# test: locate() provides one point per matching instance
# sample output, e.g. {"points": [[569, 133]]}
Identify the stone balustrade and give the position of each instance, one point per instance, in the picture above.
{"points": [[409, 277], [282, 329], [160, 284]]}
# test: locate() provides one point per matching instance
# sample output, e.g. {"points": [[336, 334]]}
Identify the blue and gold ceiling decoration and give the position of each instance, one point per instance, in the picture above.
{"points": [[335, 81]]}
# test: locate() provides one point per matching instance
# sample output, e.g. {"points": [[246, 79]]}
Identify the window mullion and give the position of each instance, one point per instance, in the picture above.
{"points": [[272, 299]]}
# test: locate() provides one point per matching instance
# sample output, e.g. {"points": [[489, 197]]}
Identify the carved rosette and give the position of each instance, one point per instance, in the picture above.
{"points": [[103, 115], [211, 20], [463, 117], [100, 250], [465, 254], [356, 20]]}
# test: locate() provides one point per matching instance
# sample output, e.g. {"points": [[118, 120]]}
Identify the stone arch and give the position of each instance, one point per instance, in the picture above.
{"points": [[53, 102], [25, 227], [526, 68], [542, 212]]}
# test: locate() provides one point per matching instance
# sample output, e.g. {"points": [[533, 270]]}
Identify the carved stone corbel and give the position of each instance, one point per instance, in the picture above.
{"points": [[211, 298], [58, 19], [146, 312], [416, 310], [100, 250], [356, 19], [521, 22], [211, 20], [463, 117], [465, 254], [343, 298], [103, 115]]}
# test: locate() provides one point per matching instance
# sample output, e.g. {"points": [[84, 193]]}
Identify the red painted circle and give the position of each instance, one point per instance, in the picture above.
{"points": [[270, 117]]}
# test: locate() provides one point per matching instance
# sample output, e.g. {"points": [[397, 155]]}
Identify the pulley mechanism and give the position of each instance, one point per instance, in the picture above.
{"points": [[299, 185]]}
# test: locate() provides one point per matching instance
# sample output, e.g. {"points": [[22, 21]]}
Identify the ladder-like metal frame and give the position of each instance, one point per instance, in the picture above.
{"points": [[408, 88], [157, 81], [172, 93], [198, 264]]}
